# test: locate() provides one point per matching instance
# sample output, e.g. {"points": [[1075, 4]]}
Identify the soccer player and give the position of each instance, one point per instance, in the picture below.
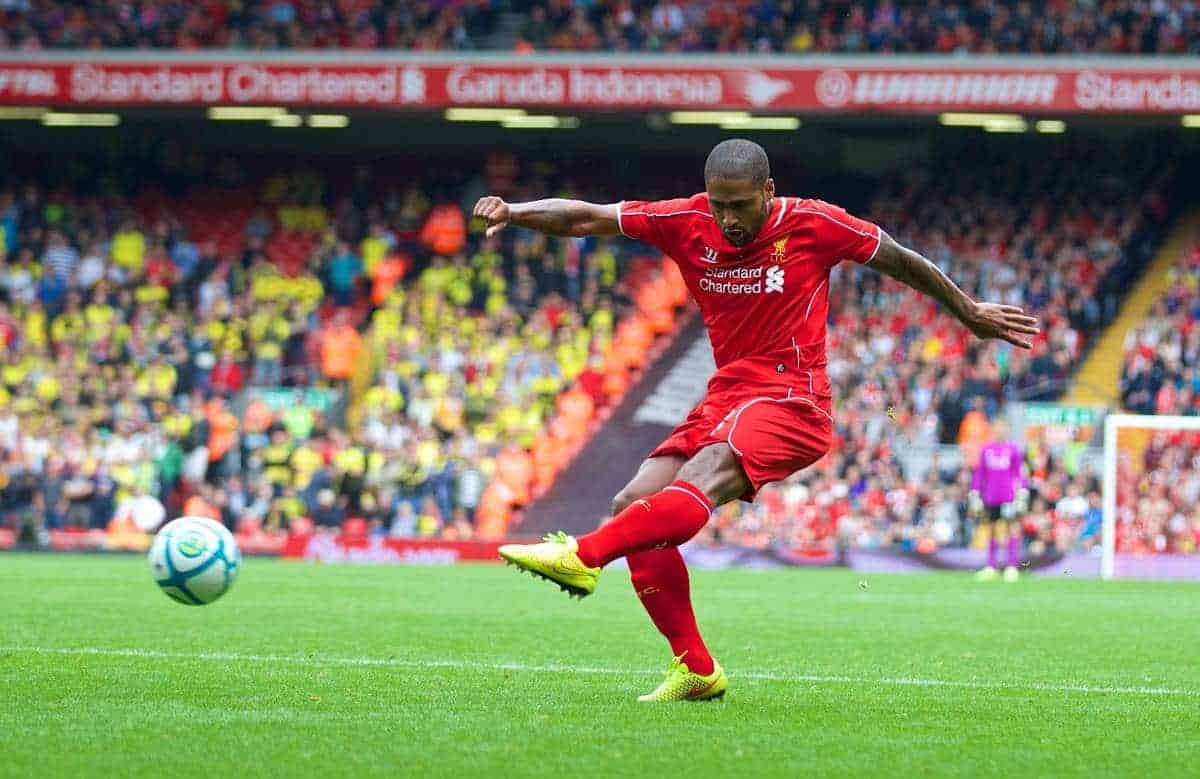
{"points": [[758, 266], [999, 493]]}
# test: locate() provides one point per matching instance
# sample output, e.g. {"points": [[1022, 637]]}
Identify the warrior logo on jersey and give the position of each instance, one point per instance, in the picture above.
{"points": [[774, 279], [710, 254], [779, 251]]}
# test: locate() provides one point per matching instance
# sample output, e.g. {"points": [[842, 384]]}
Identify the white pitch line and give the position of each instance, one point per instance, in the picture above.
{"points": [[317, 660]]}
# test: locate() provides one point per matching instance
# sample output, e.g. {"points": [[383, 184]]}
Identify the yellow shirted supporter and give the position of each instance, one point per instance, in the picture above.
{"points": [[429, 308], [410, 335], [571, 361], [449, 413], [486, 261], [436, 384], [605, 263], [150, 293], [381, 398], [67, 326], [177, 425], [35, 326], [496, 303], [214, 330], [310, 219], [582, 339], [427, 525], [276, 460], [435, 279], [48, 388], [385, 323], [406, 369], [99, 315], [546, 386], [5, 397], [268, 350], [537, 338], [372, 250], [931, 350], [498, 352], [121, 334], [601, 320], [15, 373], [468, 327], [351, 460], [375, 462], [305, 462], [428, 454], [129, 250], [459, 289], [290, 506], [157, 380], [508, 418], [486, 433]]}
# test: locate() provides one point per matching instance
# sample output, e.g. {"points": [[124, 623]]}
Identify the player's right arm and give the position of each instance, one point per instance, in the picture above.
{"points": [[553, 216]]}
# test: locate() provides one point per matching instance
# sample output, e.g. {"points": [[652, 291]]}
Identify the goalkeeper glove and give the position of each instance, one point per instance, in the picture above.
{"points": [[1021, 504]]}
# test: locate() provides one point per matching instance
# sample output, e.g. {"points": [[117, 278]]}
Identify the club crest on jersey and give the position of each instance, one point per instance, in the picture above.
{"points": [[710, 254], [779, 250]]}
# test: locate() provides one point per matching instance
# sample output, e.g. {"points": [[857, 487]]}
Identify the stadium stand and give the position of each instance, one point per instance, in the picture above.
{"points": [[195, 354], [444, 381], [790, 26], [1162, 355], [1157, 480]]}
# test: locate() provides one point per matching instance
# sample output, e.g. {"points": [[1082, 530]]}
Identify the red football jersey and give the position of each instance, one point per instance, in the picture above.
{"points": [[765, 303]]}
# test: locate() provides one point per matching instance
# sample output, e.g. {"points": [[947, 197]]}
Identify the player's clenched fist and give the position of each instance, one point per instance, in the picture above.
{"points": [[495, 211]]}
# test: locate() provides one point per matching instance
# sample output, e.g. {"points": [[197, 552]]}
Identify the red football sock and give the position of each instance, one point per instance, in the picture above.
{"points": [[667, 518], [660, 579]]}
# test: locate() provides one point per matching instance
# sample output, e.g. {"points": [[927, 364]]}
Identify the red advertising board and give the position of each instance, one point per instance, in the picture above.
{"points": [[331, 548], [763, 85]]}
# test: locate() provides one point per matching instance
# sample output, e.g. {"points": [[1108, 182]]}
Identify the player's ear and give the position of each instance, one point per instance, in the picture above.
{"points": [[769, 188]]}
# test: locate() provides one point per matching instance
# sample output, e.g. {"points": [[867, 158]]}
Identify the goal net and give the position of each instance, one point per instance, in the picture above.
{"points": [[1151, 493]]}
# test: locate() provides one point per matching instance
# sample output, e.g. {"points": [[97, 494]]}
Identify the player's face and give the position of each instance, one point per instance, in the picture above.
{"points": [[740, 207]]}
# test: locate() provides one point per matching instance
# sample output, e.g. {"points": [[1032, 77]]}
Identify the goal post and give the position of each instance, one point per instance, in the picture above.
{"points": [[1113, 424]]}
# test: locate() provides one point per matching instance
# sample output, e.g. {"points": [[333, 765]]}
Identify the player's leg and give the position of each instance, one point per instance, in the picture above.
{"points": [[660, 576], [663, 519], [991, 571], [672, 515], [1013, 534]]}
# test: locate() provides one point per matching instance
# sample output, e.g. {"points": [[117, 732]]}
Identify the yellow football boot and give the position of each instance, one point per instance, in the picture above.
{"points": [[556, 559], [683, 685]]}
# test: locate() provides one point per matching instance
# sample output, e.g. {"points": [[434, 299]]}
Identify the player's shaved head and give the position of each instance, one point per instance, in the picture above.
{"points": [[738, 159], [738, 180]]}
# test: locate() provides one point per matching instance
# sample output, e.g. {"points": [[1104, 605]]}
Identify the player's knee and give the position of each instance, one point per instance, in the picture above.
{"points": [[716, 472], [623, 499]]}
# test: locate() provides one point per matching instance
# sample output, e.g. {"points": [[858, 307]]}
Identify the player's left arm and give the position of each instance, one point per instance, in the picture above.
{"points": [[985, 320]]}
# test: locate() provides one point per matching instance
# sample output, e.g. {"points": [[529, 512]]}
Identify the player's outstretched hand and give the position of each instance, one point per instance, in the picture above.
{"points": [[495, 211], [1009, 323]]}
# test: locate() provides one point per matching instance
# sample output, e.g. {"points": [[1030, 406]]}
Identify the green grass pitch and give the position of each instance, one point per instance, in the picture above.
{"points": [[308, 670]]}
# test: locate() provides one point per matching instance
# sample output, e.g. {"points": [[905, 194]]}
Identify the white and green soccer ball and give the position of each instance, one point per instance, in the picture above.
{"points": [[194, 560]]}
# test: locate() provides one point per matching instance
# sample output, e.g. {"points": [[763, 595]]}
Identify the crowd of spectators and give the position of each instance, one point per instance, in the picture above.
{"points": [[1159, 473], [858, 26], [32, 25], [1058, 237], [1158, 494], [404, 373], [789, 26], [445, 379], [1162, 355]]}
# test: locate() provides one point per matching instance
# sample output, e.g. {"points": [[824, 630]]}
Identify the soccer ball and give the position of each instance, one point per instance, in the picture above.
{"points": [[194, 560]]}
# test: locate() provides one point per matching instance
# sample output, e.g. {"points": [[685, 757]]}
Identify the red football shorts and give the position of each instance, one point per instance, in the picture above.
{"points": [[773, 435]]}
